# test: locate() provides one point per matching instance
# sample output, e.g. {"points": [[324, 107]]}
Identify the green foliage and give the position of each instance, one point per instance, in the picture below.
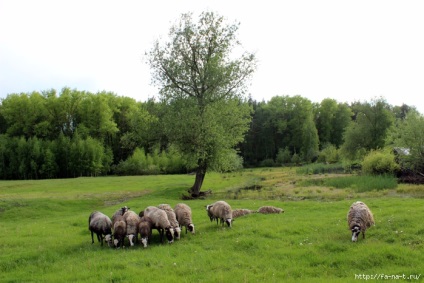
{"points": [[380, 162], [320, 168], [203, 88], [283, 156], [408, 136], [329, 154], [369, 129], [140, 163]]}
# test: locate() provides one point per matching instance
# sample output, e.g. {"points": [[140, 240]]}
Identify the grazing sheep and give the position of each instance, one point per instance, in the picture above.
{"points": [[242, 212], [119, 231], [132, 220], [119, 212], [220, 210], [183, 214], [270, 209], [160, 222], [172, 219], [100, 224], [145, 229], [359, 218]]}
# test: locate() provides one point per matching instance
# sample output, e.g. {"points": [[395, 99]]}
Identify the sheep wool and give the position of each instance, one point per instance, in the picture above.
{"points": [[184, 217], [145, 229], [172, 219], [220, 210], [160, 222], [270, 209], [242, 212], [131, 220], [119, 212], [359, 218], [119, 231], [100, 224]]}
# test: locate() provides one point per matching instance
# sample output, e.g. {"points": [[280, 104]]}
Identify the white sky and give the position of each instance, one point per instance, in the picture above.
{"points": [[345, 50]]}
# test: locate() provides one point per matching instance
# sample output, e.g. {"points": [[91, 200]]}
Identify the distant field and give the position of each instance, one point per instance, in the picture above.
{"points": [[44, 231]]}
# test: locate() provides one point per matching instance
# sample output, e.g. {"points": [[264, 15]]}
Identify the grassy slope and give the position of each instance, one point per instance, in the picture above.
{"points": [[45, 235]]}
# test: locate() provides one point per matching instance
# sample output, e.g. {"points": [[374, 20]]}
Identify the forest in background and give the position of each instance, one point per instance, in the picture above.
{"points": [[74, 133]]}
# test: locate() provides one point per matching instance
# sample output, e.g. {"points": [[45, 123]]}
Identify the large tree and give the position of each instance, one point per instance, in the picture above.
{"points": [[203, 82]]}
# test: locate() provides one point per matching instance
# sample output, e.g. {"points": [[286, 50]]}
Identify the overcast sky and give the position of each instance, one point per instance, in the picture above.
{"points": [[345, 50]]}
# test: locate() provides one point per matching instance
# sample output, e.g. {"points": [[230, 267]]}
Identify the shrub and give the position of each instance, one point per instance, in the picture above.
{"points": [[379, 162], [329, 154]]}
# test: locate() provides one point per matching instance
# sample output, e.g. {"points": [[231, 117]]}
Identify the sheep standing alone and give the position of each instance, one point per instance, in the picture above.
{"points": [[359, 218], [220, 210], [132, 220], [270, 209], [160, 222], [119, 231], [183, 214], [172, 219], [100, 224], [145, 229]]}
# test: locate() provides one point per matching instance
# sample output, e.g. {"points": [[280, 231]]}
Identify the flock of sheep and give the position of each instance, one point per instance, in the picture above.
{"points": [[126, 224]]}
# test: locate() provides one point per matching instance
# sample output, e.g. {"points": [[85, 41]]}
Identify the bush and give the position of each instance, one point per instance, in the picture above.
{"points": [[329, 154], [379, 162], [283, 156], [269, 162]]}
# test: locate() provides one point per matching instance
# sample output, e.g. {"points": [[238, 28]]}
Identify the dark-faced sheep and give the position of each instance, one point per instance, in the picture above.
{"points": [[270, 209], [184, 218], [100, 224], [172, 219], [220, 210], [145, 229], [119, 212], [359, 218], [160, 222], [119, 231], [132, 220]]}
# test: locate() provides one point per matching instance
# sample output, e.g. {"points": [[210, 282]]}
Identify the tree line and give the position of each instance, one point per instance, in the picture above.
{"points": [[76, 133]]}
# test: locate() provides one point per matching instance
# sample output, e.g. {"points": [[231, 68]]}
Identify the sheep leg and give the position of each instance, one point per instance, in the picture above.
{"points": [[92, 239]]}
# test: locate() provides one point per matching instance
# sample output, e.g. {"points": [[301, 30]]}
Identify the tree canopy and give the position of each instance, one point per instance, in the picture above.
{"points": [[203, 85]]}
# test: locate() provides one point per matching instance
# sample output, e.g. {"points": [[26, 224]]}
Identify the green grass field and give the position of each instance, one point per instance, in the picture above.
{"points": [[45, 238]]}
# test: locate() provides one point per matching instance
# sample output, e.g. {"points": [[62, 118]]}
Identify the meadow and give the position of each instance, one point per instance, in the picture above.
{"points": [[45, 236]]}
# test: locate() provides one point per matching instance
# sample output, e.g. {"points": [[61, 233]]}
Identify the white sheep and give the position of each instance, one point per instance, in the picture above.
{"points": [[359, 218], [220, 210], [160, 222], [270, 209], [119, 231], [132, 220], [100, 224], [172, 219], [183, 214], [145, 229]]}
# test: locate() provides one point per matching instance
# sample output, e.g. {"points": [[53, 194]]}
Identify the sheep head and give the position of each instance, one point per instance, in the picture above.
{"points": [[356, 230]]}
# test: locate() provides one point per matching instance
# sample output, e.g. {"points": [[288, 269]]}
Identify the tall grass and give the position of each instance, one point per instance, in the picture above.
{"points": [[362, 183], [45, 235], [320, 168]]}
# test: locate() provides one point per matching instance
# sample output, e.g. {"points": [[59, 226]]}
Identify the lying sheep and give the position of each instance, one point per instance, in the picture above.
{"points": [[183, 214], [100, 224], [145, 229], [132, 220], [119, 231], [242, 212], [119, 212], [359, 218], [160, 222], [172, 219], [270, 209], [220, 210]]}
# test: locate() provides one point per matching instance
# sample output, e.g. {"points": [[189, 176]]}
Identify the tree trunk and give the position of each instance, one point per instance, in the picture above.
{"points": [[198, 182]]}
